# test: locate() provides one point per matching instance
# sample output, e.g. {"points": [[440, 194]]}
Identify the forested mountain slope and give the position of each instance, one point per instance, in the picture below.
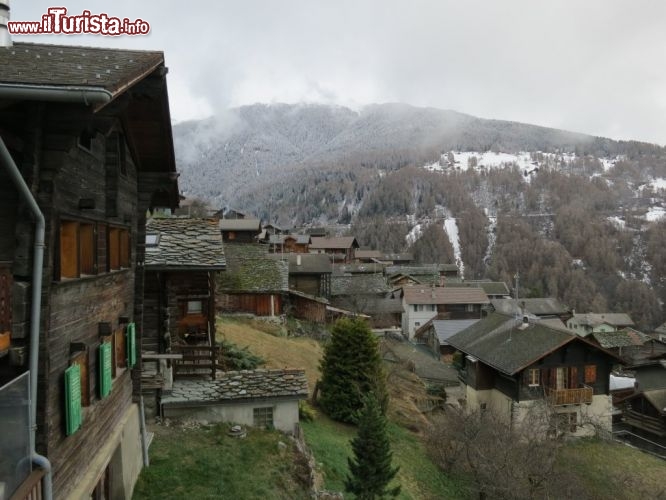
{"points": [[578, 217]]}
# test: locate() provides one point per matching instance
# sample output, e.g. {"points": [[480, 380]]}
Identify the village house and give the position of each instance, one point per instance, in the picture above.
{"points": [[308, 273], [289, 243], [341, 249], [240, 230], [423, 303], [254, 282], [85, 151], [493, 289], [644, 411], [425, 274], [436, 332], [510, 364], [584, 324], [183, 256]]}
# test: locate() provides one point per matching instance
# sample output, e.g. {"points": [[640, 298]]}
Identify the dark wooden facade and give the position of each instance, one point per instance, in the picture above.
{"points": [[259, 304], [91, 174], [307, 308], [583, 372], [460, 311]]}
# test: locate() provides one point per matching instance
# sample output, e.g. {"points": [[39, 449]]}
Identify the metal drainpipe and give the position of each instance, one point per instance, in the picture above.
{"points": [[35, 308]]}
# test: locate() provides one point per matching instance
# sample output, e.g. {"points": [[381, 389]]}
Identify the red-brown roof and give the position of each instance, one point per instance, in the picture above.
{"points": [[444, 295]]}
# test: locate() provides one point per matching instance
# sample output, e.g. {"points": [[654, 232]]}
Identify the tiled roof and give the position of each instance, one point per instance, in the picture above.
{"points": [[538, 306], [240, 225], [443, 295], [358, 284], [251, 270], [60, 65], [340, 243], [500, 341], [239, 386], [184, 244]]}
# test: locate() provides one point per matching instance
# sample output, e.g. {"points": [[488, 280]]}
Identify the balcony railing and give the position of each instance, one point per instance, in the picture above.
{"points": [[559, 397], [31, 488]]}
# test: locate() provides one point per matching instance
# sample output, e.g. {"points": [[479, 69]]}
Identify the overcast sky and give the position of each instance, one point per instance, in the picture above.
{"points": [[593, 66]]}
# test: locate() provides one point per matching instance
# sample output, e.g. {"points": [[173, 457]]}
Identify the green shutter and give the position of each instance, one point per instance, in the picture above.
{"points": [[105, 378], [131, 345], [73, 415]]}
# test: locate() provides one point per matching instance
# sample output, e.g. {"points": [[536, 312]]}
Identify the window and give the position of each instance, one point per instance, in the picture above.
{"points": [[470, 308], [77, 249], [80, 358], [194, 307], [590, 374], [263, 417], [118, 248], [152, 240], [533, 377], [119, 353]]}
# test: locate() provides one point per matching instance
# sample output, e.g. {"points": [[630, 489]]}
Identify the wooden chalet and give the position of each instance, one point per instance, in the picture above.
{"points": [[253, 283], [340, 249], [644, 411], [423, 303], [509, 364], [85, 147], [308, 273], [240, 230], [289, 243], [183, 256]]}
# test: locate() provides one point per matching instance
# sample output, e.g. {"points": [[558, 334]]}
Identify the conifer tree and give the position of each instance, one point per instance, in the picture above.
{"points": [[351, 368], [370, 469]]}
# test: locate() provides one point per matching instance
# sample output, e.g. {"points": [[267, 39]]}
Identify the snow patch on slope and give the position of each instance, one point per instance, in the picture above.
{"points": [[451, 228], [414, 234]]}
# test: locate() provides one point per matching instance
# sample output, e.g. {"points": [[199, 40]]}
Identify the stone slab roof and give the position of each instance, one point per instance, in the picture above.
{"points": [[444, 295], [183, 244], [595, 319], [310, 263], [239, 386], [538, 306], [279, 239], [621, 338], [62, 66], [251, 270], [355, 284]]}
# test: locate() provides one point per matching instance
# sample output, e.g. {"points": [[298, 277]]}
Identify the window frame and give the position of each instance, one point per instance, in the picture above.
{"points": [[533, 377], [260, 417]]}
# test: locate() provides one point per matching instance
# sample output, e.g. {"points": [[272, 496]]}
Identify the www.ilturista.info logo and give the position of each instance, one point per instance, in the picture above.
{"points": [[56, 21]]}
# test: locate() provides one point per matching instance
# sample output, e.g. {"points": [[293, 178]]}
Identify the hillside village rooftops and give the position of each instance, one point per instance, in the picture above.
{"points": [[112, 70], [368, 254], [182, 243], [279, 239], [422, 269], [537, 306], [621, 338], [340, 243], [444, 295], [358, 284]]}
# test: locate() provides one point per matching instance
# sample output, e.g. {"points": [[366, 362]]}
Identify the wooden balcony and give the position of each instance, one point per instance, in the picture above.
{"points": [[559, 397]]}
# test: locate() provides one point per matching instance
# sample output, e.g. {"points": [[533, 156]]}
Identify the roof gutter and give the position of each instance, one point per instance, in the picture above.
{"points": [[35, 307], [55, 93]]}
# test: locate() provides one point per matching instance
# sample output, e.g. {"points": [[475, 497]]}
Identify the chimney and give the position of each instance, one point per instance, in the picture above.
{"points": [[5, 37], [298, 260]]}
